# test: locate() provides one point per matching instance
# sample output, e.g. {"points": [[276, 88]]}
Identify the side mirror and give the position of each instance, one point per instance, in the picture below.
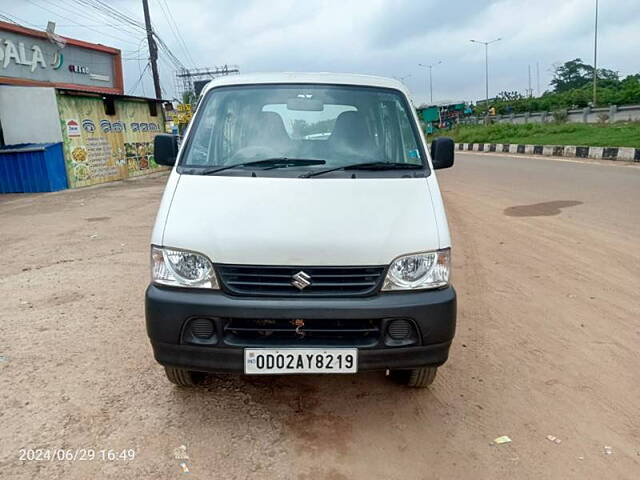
{"points": [[442, 149], [165, 149]]}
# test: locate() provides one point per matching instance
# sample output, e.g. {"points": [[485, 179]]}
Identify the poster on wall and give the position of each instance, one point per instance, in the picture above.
{"points": [[102, 148], [73, 128]]}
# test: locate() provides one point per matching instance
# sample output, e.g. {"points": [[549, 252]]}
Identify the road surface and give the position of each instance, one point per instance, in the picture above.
{"points": [[547, 267]]}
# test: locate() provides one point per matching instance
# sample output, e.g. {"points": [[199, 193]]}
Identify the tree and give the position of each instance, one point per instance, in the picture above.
{"points": [[572, 74], [575, 74], [509, 96], [608, 78]]}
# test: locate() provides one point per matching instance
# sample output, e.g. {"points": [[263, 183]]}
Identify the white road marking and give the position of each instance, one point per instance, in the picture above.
{"points": [[593, 161]]}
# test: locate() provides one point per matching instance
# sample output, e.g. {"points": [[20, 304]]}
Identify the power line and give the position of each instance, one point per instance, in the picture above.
{"points": [[3, 17], [104, 9], [119, 11], [94, 17], [179, 34], [144, 93], [13, 18], [135, 86], [175, 30], [101, 8], [88, 25], [132, 16], [112, 13], [70, 19], [135, 54], [163, 46]]}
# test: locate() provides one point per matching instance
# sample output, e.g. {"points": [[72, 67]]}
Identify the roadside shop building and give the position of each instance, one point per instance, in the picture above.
{"points": [[65, 121]]}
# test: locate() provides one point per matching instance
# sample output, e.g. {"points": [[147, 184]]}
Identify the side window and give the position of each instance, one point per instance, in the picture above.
{"points": [[230, 132], [410, 151], [391, 133], [202, 146], [219, 135], [387, 134]]}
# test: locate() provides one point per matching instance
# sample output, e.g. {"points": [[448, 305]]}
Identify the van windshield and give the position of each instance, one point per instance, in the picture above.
{"points": [[337, 126]]}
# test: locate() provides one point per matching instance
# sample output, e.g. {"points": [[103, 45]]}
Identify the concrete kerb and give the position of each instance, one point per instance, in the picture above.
{"points": [[625, 154]]}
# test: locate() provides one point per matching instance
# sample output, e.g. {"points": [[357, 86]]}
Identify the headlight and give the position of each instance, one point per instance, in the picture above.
{"points": [[419, 271], [181, 268]]}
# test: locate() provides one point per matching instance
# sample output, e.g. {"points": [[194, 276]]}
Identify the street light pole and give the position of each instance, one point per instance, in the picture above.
{"points": [[430, 78], [431, 84], [595, 57], [486, 67]]}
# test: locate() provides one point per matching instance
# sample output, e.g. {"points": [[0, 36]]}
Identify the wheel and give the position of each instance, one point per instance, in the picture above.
{"points": [[184, 378], [416, 378]]}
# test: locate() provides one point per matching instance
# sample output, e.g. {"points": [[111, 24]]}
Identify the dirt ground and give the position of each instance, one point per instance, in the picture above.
{"points": [[547, 267]]}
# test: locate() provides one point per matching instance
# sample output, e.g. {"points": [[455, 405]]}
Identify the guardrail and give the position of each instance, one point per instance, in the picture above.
{"points": [[613, 113]]}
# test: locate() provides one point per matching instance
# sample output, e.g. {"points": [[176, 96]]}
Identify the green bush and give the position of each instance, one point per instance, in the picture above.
{"points": [[625, 92], [560, 116], [604, 135]]}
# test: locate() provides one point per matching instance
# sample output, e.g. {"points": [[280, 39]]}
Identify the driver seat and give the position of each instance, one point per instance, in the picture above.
{"points": [[350, 135], [267, 130]]}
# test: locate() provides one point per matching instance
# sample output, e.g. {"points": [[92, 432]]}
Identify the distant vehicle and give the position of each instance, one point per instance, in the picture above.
{"points": [[318, 136], [302, 231]]}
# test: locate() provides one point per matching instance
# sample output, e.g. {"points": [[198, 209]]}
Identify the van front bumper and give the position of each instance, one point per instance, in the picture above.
{"points": [[432, 312]]}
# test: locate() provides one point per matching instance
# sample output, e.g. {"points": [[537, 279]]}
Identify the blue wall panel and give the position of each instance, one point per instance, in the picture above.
{"points": [[32, 168]]}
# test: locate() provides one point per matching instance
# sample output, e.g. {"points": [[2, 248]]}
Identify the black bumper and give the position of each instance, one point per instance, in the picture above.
{"points": [[167, 310]]}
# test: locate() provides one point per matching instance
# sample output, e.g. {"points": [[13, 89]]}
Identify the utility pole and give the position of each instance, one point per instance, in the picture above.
{"points": [[538, 79], [595, 58], [530, 90], [430, 78], [486, 66], [153, 49]]}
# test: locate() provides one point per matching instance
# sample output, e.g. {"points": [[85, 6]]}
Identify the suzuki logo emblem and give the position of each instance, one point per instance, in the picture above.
{"points": [[301, 280]]}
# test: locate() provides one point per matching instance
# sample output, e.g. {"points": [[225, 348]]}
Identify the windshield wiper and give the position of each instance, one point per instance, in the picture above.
{"points": [[366, 166], [277, 162]]}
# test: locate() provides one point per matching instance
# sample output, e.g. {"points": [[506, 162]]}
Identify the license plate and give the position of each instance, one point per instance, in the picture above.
{"points": [[268, 361]]}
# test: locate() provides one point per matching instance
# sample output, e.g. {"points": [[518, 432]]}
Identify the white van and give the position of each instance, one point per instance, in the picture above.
{"points": [[302, 231]]}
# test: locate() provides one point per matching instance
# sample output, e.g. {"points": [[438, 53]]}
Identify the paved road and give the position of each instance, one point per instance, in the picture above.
{"points": [[547, 267]]}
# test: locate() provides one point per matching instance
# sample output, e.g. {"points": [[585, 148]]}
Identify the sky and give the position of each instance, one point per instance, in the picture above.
{"points": [[381, 37]]}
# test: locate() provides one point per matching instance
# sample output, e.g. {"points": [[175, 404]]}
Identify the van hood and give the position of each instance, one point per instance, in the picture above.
{"points": [[301, 222]]}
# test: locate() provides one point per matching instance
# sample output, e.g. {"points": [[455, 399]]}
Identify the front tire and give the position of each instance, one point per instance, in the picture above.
{"points": [[416, 377], [184, 378]]}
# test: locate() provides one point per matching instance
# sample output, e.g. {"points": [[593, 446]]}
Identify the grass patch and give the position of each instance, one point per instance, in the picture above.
{"points": [[591, 135]]}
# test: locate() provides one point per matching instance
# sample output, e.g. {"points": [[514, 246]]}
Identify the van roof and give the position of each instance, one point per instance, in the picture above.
{"points": [[315, 78]]}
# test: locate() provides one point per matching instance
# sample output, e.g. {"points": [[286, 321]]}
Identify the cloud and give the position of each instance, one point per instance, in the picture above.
{"points": [[401, 20], [381, 37]]}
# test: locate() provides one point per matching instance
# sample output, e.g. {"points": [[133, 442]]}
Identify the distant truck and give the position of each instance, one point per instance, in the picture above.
{"points": [[443, 115], [302, 231]]}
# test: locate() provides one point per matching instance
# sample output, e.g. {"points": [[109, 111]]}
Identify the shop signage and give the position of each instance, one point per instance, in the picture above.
{"points": [[89, 126], [79, 69], [29, 57], [18, 55]]}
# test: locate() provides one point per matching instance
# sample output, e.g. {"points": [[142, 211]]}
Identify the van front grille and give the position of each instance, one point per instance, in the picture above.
{"points": [[282, 332], [250, 280]]}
